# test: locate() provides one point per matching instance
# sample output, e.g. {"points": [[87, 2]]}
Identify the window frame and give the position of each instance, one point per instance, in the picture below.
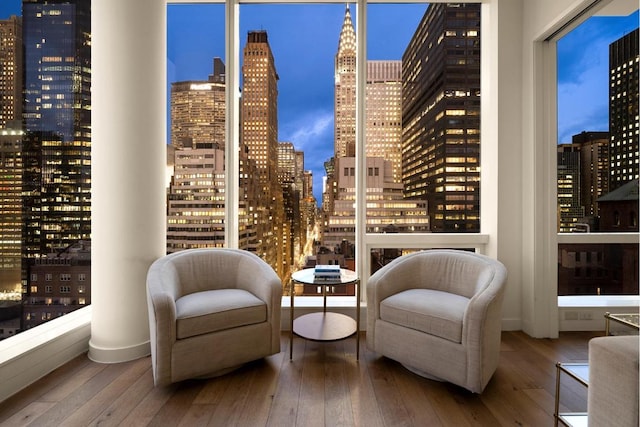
{"points": [[546, 64], [364, 241]]}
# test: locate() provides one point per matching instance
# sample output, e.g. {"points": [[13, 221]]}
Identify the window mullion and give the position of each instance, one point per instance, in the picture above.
{"points": [[232, 120], [362, 263]]}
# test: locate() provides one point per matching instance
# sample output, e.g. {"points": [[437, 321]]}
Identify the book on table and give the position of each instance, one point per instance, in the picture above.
{"points": [[327, 271]]}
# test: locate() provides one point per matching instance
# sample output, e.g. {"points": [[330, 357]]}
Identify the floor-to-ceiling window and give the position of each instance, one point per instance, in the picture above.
{"points": [[45, 161], [312, 147], [598, 63]]}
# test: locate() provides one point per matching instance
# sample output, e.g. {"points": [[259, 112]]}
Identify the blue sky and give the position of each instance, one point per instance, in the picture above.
{"points": [[583, 74], [304, 40]]}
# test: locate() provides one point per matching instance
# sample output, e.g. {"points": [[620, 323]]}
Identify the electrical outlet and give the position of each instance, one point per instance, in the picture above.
{"points": [[571, 315], [586, 315]]}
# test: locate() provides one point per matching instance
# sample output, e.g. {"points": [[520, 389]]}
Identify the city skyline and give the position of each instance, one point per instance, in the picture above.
{"points": [[582, 75]]}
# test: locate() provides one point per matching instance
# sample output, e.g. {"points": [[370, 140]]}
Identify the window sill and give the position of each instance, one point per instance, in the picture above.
{"points": [[32, 354], [599, 301], [586, 312]]}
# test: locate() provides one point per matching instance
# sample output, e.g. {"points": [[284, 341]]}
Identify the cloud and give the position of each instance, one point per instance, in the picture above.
{"points": [[583, 100], [309, 129], [312, 133], [583, 74]]}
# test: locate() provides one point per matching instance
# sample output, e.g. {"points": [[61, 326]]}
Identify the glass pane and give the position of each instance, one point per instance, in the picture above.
{"points": [[383, 256], [423, 118], [598, 121], [45, 162], [287, 113], [598, 269], [196, 120]]}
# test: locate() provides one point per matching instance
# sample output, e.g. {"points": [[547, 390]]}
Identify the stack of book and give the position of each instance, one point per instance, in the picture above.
{"points": [[327, 272]]}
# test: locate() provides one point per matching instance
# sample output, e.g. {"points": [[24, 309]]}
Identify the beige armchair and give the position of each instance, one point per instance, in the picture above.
{"points": [[438, 312], [210, 311]]}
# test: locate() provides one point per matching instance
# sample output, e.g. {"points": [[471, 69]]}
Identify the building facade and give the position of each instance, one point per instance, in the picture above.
{"points": [[570, 210], [12, 69], [11, 77], [198, 110], [344, 107], [594, 169], [58, 283], [57, 121], [385, 205], [383, 125], [441, 116], [195, 205], [624, 118], [196, 194], [10, 208], [259, 133]]}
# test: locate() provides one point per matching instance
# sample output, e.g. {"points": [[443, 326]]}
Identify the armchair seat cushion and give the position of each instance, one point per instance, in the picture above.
{"points": [[426, 310], [215, 310]]}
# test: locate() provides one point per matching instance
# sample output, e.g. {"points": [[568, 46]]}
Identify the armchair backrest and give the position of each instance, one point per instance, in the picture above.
{"points": [[199, 270], [454, 271]]}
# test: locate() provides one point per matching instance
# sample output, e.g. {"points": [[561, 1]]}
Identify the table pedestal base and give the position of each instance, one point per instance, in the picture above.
{"points": [[324, 326]]}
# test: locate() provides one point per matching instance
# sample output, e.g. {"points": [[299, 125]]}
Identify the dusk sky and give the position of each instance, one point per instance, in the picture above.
{"points": [[304, 41]]}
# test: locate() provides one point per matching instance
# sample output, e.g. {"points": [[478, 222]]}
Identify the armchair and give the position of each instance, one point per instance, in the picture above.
{"points": [[210, 311], [438, 312]]}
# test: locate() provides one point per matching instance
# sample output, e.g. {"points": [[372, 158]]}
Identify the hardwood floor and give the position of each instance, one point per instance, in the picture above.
{"points": [[323, 386]]}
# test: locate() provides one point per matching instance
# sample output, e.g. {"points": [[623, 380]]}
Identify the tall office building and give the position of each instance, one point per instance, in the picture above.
{"points": [[198, 109], [594, 170], [10, 71], [10, 152], [570, 210], [345, 90], [383, 131], [10, 208], [441, 116], [259, 133], [624, 119], [289, 176], [196, 199], [260, 106], [196, 196], [57, 121], [383, 125]]}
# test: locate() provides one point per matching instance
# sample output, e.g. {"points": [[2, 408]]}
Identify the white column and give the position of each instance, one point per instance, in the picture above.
{"points": [[128, 166]]}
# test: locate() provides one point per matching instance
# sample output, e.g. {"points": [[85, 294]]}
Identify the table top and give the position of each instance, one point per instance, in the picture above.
{"points": [[306, 277], [630, 319], [578, 370]]}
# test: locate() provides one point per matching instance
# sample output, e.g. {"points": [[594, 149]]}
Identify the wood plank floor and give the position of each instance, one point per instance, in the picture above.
{"points": [[323, 386]]}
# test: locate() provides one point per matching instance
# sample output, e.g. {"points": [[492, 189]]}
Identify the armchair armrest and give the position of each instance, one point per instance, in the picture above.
{"points": [[162, 320]]}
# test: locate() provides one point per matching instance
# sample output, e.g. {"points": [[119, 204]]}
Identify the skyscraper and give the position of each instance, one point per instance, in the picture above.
{"points": [[345, 90], [441, 116], [10, 152], [570, 211], [196, 202], [624, 118], [10, 208], [259, 133], [383, 128], [198, 109], [594, 169], [57, 121], [10, 71], [260, 106]]}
